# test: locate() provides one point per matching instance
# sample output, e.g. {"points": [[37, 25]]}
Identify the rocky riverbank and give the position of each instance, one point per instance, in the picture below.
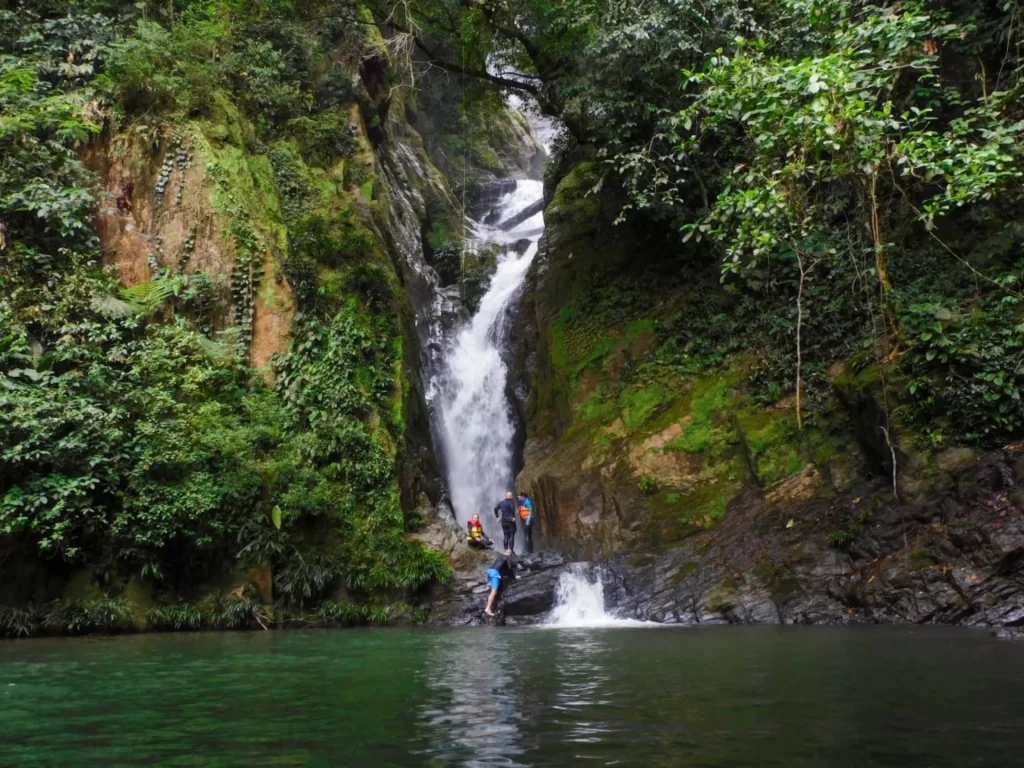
{"points": [[953, 558]]}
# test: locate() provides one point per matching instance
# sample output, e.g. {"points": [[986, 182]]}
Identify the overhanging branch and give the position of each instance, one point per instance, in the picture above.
{"points": [[450, 66]]}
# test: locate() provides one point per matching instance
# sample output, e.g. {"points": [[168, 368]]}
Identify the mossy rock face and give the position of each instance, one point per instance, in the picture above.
{"points": [[575, 206], [721, 597], [875, 399], [225, 122], [475, 140], [684, 572], [586, 317], [139, 594], [613, 409], [599, 388], [956, 459], [920, 559], [855, 384], [82, 587]]}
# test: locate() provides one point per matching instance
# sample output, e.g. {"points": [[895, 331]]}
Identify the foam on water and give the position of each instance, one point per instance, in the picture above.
{"points": [[579, 602]]}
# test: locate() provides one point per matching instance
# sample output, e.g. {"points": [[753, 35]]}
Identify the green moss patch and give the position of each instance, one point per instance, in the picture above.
{"points": [[675, 513], [721, 597], [573, 207], [708, 427], [773, 441], [598, 406], [920, 559], [82, 587], [638, 404], [707, 505]]}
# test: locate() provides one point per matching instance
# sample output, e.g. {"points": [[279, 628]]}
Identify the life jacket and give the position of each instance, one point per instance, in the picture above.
{"points": [[524, 512], [476, 530]]}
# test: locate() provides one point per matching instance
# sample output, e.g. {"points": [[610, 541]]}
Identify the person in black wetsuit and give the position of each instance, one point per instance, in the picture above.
{"points": [[499, 575], [506, 511]]}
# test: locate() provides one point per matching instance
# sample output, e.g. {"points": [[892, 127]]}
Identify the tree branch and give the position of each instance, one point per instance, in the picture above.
{"points": [[438, 61], [480, 74]]}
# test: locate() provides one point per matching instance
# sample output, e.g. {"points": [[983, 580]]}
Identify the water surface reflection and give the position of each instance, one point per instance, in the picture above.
{"points": [[472, 715], [718, 698]]}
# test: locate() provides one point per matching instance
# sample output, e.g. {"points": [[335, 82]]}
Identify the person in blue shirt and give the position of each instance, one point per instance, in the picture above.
{"points": [[499, 575], [526, 515]]}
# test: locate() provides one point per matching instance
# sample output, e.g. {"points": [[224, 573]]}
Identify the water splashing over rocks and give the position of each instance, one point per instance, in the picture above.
{"points": [[579, 601]]}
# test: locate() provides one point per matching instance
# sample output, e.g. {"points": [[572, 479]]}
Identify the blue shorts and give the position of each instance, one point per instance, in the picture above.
{"points": [[495, 578]]}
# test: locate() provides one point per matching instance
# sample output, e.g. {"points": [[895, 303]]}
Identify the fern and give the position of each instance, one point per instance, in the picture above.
{"points": [[152, 294], [111, 306], [17, 622], [72, 617], [176, 617], [243, 612]]}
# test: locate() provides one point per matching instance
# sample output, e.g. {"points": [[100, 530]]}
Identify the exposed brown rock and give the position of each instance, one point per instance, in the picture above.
{"points": [[133, 230]]}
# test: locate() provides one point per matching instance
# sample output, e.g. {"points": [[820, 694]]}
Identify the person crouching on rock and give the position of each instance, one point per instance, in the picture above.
{"points": [[475, 534], [506, 512], [499, 575]]}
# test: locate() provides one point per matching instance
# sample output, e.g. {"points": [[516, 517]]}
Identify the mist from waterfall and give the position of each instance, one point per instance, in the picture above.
{"points": [[469, 396]]}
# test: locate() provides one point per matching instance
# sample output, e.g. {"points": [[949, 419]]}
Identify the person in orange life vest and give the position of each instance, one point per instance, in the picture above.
{"points": [[526, 515], [475, 534]]}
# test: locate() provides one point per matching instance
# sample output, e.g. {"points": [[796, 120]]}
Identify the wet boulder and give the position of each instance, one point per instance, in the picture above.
{"points": [[532, 595]]}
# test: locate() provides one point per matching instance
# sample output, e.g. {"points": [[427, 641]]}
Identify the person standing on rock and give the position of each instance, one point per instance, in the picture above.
{"points": [[506, 512], [499, 575], [526, 514]]}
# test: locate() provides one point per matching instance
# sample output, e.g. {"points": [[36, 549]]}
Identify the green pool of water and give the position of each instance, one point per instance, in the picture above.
{"points": [[646, 697]]}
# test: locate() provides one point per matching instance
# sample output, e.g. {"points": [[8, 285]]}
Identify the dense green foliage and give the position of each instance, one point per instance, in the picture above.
{"points": [[135, 439], [213, 611], [839, 183], [852, 170]]}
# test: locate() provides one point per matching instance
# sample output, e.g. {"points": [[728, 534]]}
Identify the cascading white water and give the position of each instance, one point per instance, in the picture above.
{"points": [[469, 395], [464, 364], [579, 601]]}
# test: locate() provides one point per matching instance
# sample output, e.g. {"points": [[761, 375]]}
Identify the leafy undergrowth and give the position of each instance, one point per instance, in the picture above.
{"points": [[232, 611]]}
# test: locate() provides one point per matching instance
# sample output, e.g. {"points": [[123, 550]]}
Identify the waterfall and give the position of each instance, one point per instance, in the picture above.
{"points": [[579, 601], [465, 361], [469, 396]]}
